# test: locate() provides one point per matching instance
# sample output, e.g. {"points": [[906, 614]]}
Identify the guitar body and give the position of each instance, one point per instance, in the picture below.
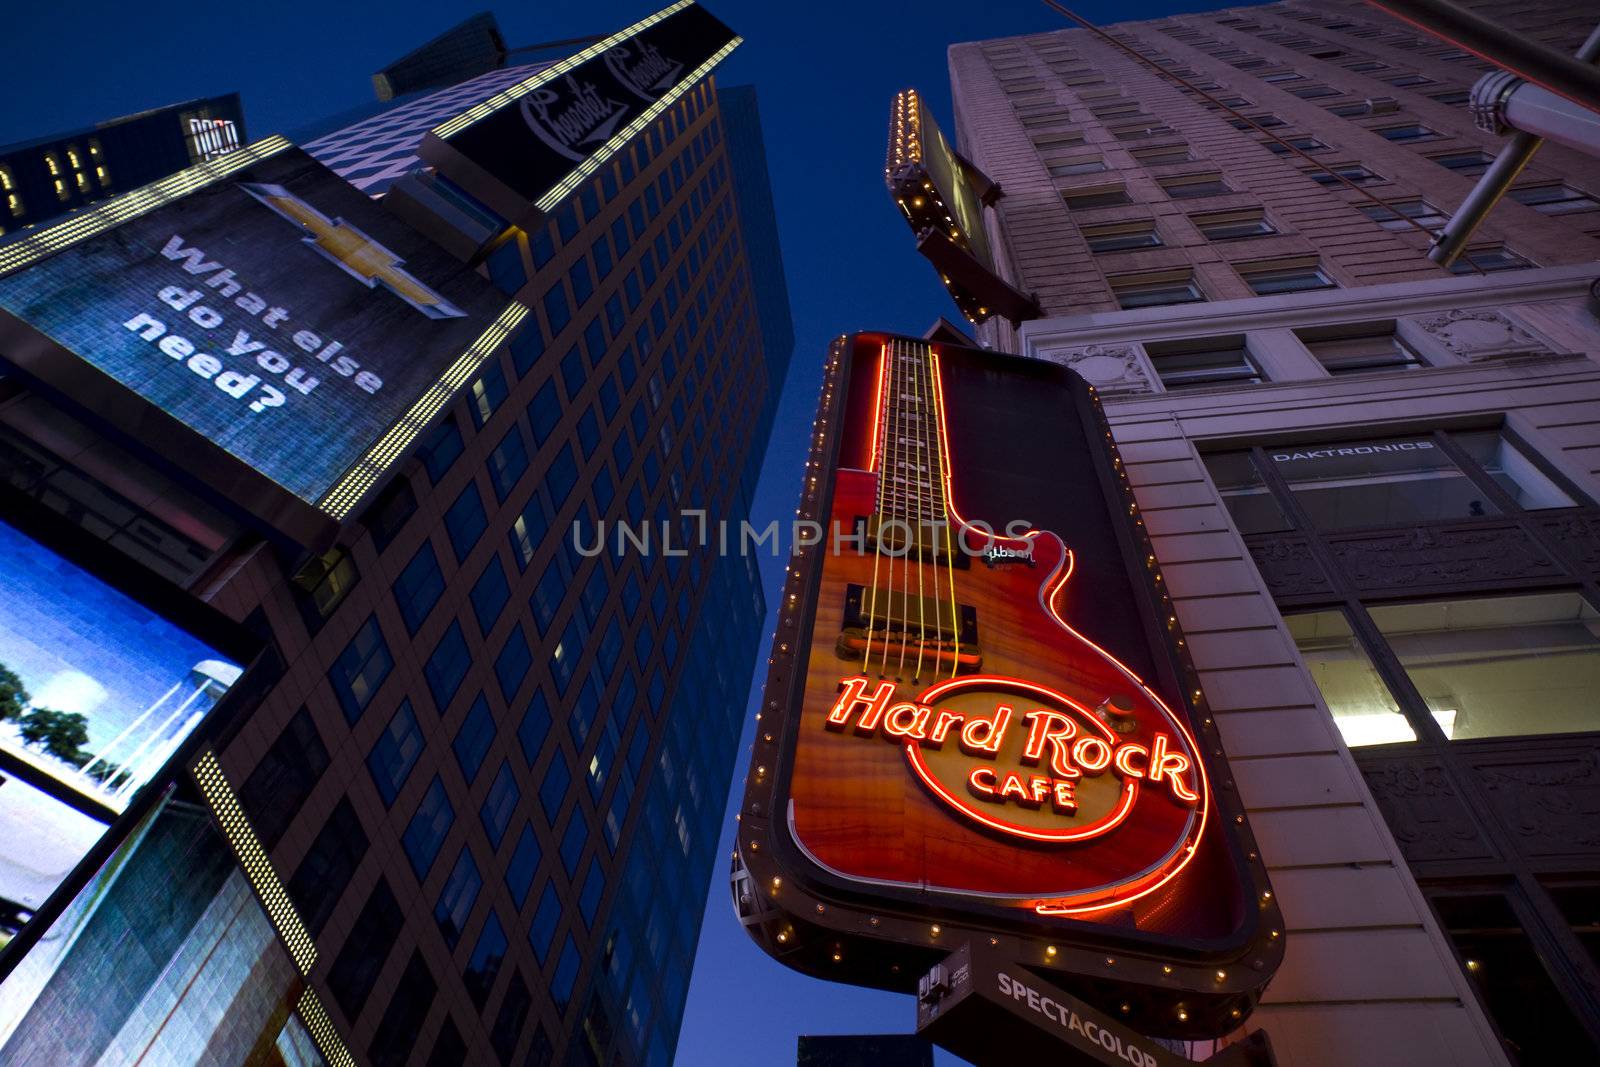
{"points": [[1061, 781]]}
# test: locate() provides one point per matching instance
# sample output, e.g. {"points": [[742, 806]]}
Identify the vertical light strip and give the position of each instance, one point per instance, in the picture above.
{"points": [[322, 1030], [131, 205], [451, 127], [603, 155], [269, 889], [338, 501]]}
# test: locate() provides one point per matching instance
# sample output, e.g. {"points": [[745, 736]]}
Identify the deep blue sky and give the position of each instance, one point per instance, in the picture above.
{"points": [[826, 71]]}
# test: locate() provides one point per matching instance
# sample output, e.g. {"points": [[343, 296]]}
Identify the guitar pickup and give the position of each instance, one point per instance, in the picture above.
{"points": [[899, 622], [904, 539]]}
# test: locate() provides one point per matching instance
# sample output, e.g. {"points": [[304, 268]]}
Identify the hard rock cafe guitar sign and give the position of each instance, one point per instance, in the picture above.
{"points": [[980, 718]]}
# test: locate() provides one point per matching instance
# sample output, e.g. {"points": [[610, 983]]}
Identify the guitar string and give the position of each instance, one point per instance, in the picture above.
{"points": [[882, 464], [915, 556], [895, 427], [944, 478], [936, 500]]}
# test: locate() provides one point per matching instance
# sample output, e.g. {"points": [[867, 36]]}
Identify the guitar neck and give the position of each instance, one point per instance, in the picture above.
{"points": [[910, 457]]}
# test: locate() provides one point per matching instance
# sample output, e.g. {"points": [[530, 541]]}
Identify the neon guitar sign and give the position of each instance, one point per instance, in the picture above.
{"points": [[958, 733]]}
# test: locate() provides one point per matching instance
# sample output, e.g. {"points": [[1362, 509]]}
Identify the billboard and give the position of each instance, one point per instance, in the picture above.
{"points": [[97, 691], [277, 313], [980, 717], [942, 196], [527, 147]]}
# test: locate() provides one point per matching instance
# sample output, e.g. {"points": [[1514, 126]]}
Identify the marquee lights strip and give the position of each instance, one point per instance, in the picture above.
{"points": [[241, 835], [133, 204], [323, 1033], [450, 127], [603, 156], [339, 500]]}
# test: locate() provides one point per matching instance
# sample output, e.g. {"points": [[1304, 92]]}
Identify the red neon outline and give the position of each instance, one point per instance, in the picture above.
{"points": [[1160, 877], [877, 403]]}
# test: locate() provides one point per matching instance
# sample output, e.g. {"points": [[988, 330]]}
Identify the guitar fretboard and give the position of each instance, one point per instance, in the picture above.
{"points": [[910, 456]]}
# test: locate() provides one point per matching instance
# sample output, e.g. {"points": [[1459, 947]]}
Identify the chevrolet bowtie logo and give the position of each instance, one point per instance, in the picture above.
{"points": [[354, 252]]}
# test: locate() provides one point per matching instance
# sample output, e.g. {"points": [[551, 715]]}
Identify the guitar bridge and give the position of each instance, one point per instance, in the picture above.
{"points": [[903, 624]]}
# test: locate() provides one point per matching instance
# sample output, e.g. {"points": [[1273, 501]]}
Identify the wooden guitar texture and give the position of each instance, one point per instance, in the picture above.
{"points": [[957, 735]]}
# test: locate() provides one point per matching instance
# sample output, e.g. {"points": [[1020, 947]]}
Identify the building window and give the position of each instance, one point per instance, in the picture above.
{"points": [[1233, 225], [465, 520], [474, 739], [455, 902], [484, 963], [284, 778], [1313, 92], [508, 462], [1283, 77], [1304, 144], [522, 866], [1408, 81], [514, 661], [402, 1020], [500, 804], [1408, 133], [426, 831], [546, 920], [395, 753], [1065, 168], [1467, 164], [447, 666], [1203, 362], [360, 669], [355, 970], [1155, 157], [1359, 348], [1117, 237], [1501, 666], [419, 587], [1454, 96], [1244, 492], [1362, 705], [1256, 122], [328, 866], [324, 583], [490, 594], [1195, 185], [1350, 111], [488, 392], [1521, 479], [1488, 259], [1339, 173], [1553, 199], [1152, 290], [441, 449], [1141, 131], [1395, 216], [1284, 277], [1098, 196]]}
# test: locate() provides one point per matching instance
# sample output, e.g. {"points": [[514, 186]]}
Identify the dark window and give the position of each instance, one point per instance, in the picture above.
{"points": [[395, 752], [523, 865], [474, 738], [512, 664], [1400, 214], [403, 1018], [273, 793], [1210, 361], [1138, 291], [1082, 200], [419, 587], [544, 412], [1359, 348], [1488, 259], [465, 521], [573, 843], [506, 269], [594, 887], [547, 595], [484, 963], [1349, 172], [1408, 133], [441, 447], [582, 282], [328, 866], [323, 584], [1296, 278], [355, 970], [389, 513], [508, 462], [556, 311], [500, 804], [447, 666], [566, 976], [527, 346], [573, 372], [553, 790], [460, 892], [450, 1048], [489, 594], [561, 477], [542, 932], [360, 669], [426, 832], [1554, 199], [589, 432], [1233, 225], [535, 727], [1202, 185], [511, 1018], [1468, 164]]}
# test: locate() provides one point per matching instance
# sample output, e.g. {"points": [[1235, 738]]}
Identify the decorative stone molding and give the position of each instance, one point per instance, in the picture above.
{"points": [[1112, 369], [1481, 334]]}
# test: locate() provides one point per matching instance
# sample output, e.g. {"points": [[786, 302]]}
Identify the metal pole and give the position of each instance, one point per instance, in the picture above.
{"points": [[1498, 178], [1566, 76]]}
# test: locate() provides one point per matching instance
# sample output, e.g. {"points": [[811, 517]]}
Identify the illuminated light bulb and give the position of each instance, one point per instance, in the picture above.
{"points": [[837, 957], [935, 929], [1222, 976], [1183, 1015], [782, 936], [1111, 961], [1474, 965], [1050, 950], [1126, 1007], [1166, 968]]}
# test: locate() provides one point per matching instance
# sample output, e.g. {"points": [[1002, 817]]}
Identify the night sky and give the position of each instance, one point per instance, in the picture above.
{"points": [[825, 70]]}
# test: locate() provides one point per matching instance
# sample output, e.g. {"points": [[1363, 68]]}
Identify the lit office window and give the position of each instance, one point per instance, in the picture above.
{"points": [[1363, 708], [1500, 666], [1359, 348], [1151, 290]]}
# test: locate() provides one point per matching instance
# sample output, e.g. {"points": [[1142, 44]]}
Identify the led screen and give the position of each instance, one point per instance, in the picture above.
{"points": [[96, 693], [277, 312]]}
